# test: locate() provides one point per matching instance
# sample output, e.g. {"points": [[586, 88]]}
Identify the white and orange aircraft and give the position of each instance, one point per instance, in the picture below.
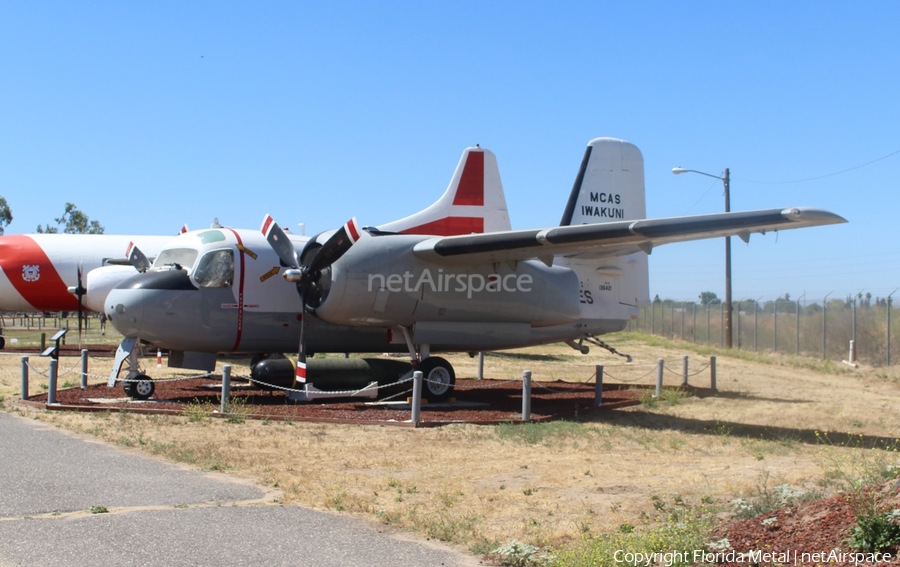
{"points": [[43, 272], [38, 270], [424, 283]]}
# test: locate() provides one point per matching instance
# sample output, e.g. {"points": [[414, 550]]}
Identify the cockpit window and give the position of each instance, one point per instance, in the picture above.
{"points": [[215, 269], [181, 257]]}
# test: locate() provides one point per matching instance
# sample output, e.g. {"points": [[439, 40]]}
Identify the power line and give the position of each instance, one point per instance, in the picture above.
{"points": [[820, 176]]}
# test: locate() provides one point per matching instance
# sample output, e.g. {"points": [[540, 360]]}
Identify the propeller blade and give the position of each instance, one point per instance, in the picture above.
{"points": [[300, 375], [79, 294], [335, 247], [137, 258], [279, 242]]}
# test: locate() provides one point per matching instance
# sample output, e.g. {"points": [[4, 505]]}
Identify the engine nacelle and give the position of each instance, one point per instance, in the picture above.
{"points": [[381, 282]]}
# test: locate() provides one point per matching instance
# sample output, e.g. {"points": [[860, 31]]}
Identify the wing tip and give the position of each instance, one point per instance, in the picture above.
{"points": [[812, 215]]}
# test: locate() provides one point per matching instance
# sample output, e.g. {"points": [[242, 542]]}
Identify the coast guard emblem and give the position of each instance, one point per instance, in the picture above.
{"points": [[31, 273]]}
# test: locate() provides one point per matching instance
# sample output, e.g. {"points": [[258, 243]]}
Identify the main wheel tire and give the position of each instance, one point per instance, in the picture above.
{"points": [[141, 387], [438, 379]]}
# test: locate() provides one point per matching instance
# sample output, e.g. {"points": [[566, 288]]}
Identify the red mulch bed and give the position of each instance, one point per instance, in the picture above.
{"points": [[819, 526], [477, 401]]}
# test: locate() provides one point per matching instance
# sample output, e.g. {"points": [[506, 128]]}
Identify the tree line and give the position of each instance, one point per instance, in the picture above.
{"points": [[72, 221]]}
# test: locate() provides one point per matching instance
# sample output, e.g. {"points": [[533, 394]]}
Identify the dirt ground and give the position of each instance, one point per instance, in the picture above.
{"points": [[774, 420]]}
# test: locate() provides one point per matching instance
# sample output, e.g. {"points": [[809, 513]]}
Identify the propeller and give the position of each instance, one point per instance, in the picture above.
{"points": [[79, 294], [308, 277], [79, 291], [137, 258]]}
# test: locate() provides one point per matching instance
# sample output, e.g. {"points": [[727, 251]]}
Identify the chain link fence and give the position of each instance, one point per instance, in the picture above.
{"points": [[823, 330]]}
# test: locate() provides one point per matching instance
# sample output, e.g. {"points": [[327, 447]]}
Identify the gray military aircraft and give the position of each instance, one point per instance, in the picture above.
{"points": [[419, 286]]}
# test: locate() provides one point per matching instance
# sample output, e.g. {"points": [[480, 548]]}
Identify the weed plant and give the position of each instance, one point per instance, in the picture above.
{"points": [[678, 527], [198, 411], [765, 499], [860, 474], [238, 412], [515, 554]]}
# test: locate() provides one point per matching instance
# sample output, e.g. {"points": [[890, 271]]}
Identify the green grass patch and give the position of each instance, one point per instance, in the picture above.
{"points": [[542, 433], [677, 532]]}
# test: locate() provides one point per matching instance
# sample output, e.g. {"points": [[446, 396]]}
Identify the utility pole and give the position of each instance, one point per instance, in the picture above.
{"points": [[726, 314]]}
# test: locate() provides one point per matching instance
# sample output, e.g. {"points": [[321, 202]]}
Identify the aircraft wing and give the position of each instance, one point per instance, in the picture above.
{"points": [[616, 238]]}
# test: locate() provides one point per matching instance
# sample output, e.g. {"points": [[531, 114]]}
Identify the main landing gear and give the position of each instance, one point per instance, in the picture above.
{"points": [[438, 377]]}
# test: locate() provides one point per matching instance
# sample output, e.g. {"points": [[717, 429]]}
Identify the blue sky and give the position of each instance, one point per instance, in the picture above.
{"points": [[154, 114]]}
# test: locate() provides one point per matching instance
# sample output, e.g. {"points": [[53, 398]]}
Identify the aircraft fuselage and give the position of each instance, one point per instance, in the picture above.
{"points": [[378, 287]]}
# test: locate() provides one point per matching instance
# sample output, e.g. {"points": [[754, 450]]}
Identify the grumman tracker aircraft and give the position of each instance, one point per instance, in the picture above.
{"points": [[394, 288], [472, 203]]}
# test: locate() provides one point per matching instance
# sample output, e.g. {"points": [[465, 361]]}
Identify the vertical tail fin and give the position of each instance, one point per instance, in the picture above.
{"points": [[473, 202], [609, 187]]}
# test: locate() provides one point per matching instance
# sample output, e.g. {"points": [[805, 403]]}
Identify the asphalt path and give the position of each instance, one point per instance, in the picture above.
{"points": [[70, 501]]}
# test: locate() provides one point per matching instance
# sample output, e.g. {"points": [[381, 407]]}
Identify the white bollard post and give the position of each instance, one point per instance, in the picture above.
{"points": [[84, 368], [598, 387], [481, 365], [51, 390], [851, 357], [226, 387], [417, 396], [659, 376], [24, 377], [526, 395]]}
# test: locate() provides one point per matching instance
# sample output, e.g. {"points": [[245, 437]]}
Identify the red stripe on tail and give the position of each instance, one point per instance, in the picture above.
{"points": [[471, 183], [449, 226]]}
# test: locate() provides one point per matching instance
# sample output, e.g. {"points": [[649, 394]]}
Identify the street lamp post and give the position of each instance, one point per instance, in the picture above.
{"points": [[726, 180]]}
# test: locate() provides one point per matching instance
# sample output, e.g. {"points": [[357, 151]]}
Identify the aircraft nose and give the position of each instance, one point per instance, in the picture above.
{"points": [[125, 310]]}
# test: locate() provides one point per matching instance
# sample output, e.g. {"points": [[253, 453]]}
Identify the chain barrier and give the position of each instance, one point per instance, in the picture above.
{"points": [[482, 384], [397, 395], [350, 393], [673, 372], [700, 370], [679, 374], [558, 391], [32, 367], [160, 380], [651, 371]]}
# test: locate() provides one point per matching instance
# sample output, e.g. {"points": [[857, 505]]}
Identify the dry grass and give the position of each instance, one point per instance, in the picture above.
{"points": [[477, 486]]}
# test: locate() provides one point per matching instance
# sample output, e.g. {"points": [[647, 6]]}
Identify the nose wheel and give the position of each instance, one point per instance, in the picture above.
{"points": [[140, 387]]}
